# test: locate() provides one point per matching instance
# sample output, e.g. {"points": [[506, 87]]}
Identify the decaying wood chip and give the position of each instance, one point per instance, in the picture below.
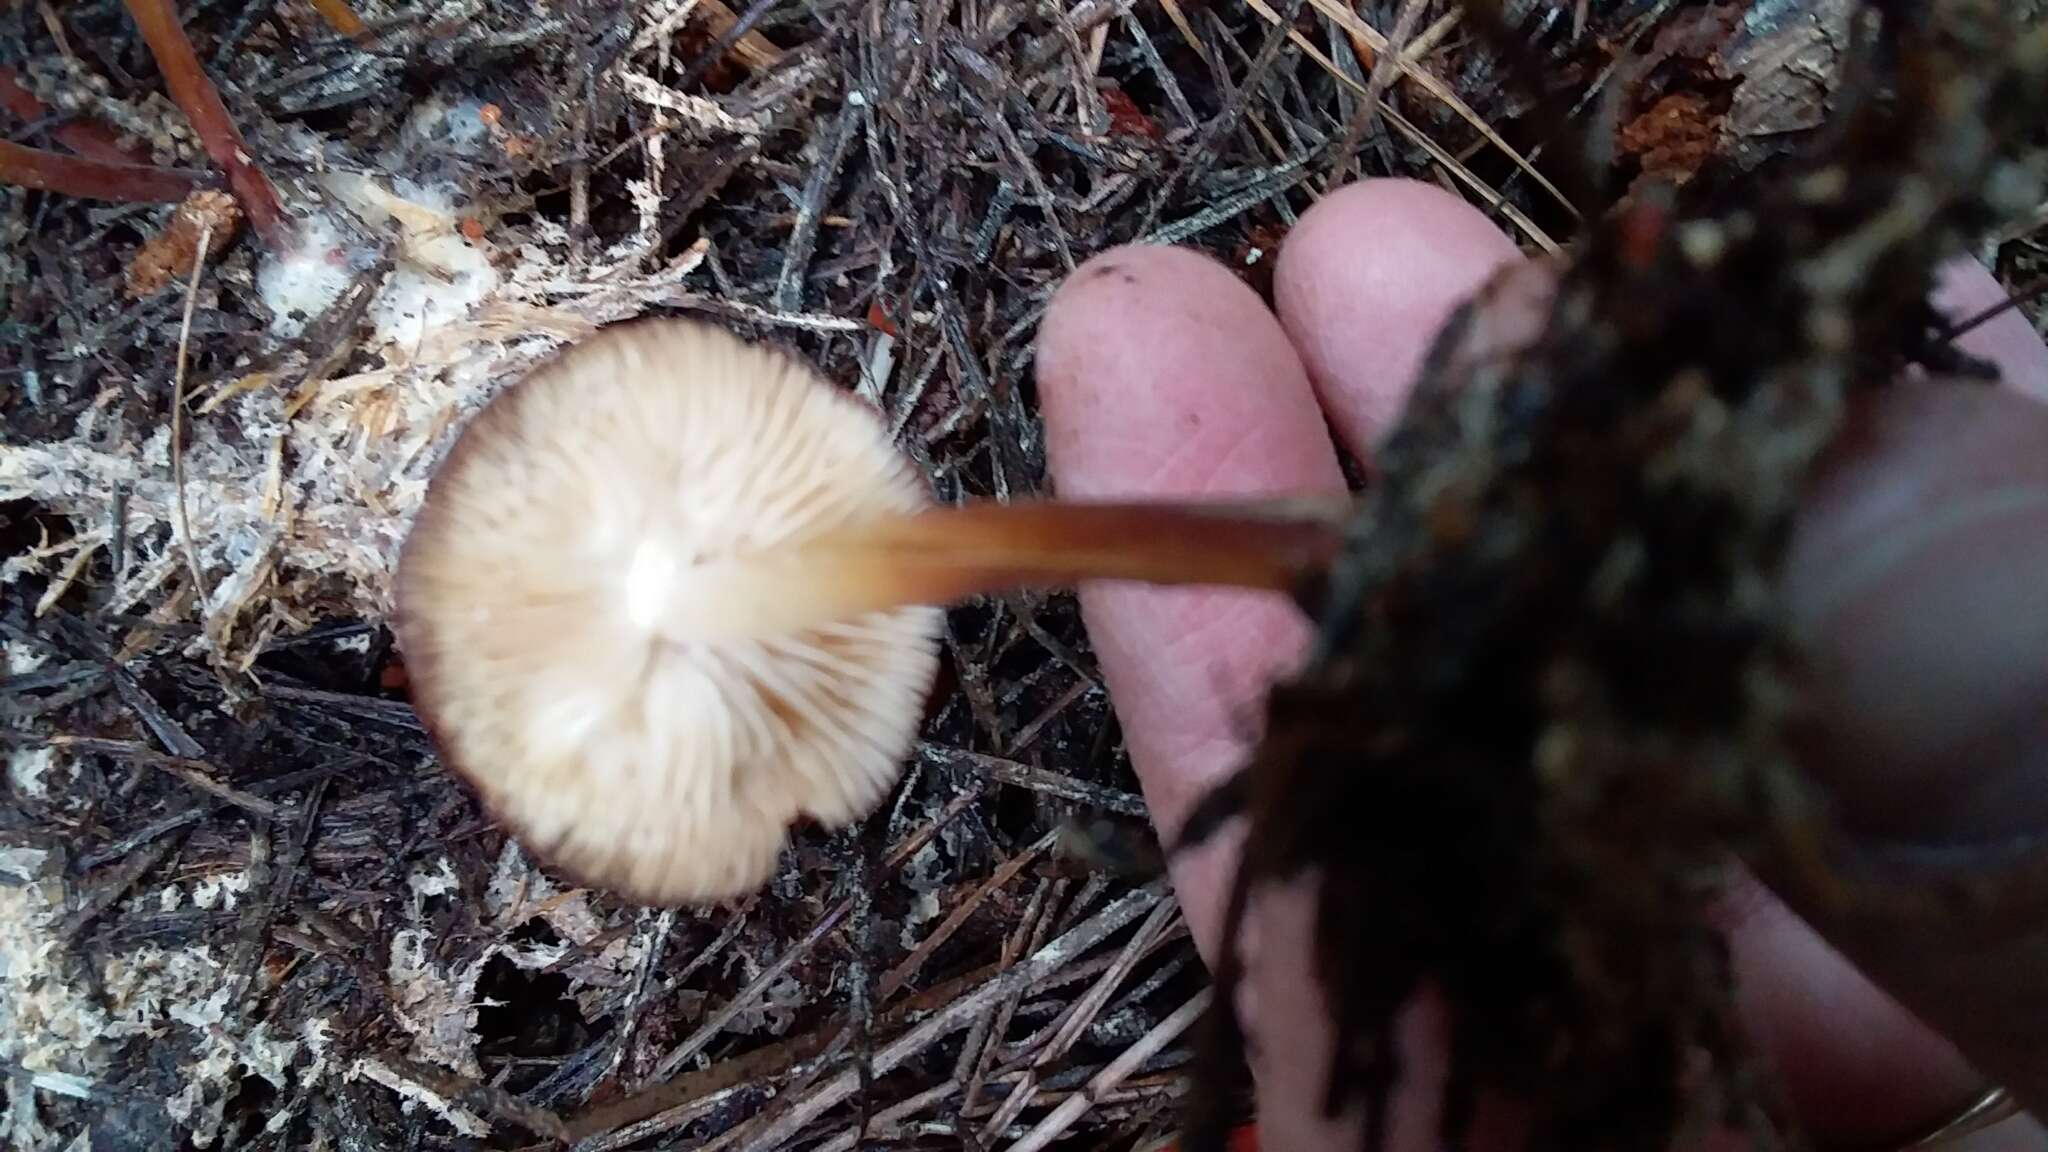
{"points": [[1677, 100], [1788, 55], [169, 254]]}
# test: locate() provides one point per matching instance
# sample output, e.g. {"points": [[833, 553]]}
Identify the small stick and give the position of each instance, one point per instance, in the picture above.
{"points": [[46, 171], [751, 48], [900, 975], [193, 770], [729, 36], [201, 103], [89, 138], [709, 1030], [1075, 1106], [178, 418], [955, 1017], [341, 18]]}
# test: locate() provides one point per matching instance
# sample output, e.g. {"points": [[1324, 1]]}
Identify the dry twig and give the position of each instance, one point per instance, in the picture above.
{"points": [[200, 100], [46, 171], [88, 138]]}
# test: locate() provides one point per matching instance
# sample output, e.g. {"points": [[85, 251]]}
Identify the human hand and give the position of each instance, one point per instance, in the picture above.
{"points": [[1917, 574]]}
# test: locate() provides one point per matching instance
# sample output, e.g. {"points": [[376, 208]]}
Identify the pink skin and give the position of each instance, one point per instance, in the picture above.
{"points": [[1161, 374]]}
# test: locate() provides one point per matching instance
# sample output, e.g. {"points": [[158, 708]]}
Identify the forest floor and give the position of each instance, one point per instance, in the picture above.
{"points": [[241, 905]]}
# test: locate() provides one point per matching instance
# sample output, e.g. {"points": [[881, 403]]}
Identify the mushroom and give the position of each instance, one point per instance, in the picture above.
{"points": [[673, 594]]}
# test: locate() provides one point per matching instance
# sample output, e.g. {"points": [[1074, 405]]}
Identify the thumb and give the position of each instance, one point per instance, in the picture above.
{"points": [[1918, 581]]}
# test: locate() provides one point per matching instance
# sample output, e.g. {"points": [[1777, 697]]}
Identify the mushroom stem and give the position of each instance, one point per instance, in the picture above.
{"points": [[943, 555]]}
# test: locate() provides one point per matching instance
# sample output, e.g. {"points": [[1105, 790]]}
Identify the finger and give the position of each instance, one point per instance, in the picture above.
{"points": [[1363, 284], [1965, 291], [1856, 1068], [1917, 582], [1159, 374], [1932, 494]]}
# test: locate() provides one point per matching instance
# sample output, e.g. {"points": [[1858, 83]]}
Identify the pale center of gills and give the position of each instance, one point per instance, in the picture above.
{"points": [[651, 577]]}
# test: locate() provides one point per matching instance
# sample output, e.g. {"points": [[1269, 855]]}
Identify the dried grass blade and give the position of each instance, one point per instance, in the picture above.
{"points": [[1401, 124], [1355, 24]]}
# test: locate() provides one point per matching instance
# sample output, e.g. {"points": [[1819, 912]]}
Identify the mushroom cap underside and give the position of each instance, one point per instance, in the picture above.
{"points": [[666, 768]]}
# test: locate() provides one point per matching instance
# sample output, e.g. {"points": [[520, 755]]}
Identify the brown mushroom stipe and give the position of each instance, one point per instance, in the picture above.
{"points": [[673, 593]]}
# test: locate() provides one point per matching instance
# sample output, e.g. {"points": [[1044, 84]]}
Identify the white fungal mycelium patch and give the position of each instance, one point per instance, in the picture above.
{"points": [[227, 1052], [299, 490], [414, 1095], [435, 1001], [220, 891], [68, 1028], [437, 276], [28, 768], [519, 894], [427, 883], [451, 122], [299, 286], [299, 487]]}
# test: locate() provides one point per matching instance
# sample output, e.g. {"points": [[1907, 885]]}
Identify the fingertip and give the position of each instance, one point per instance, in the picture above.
{"points": [[1913, 586], [1965, 290], [1152, 361], [1365, 281]]}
